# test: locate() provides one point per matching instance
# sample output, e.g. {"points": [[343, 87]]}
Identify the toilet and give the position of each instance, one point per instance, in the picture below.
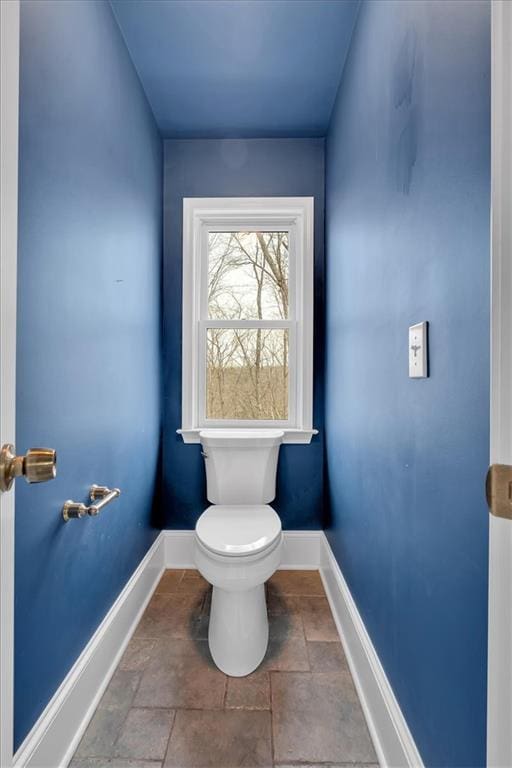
{"points": [[238, 542]]}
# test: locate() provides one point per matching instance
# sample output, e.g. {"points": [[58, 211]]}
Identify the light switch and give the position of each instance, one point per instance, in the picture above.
{"points": [[418, 353]]}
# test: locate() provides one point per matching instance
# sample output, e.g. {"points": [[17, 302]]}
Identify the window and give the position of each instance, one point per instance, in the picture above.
{"points": [[248, 315]]}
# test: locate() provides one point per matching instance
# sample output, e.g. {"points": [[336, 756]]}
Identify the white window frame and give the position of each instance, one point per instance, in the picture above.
{"points": [[204, 215]]}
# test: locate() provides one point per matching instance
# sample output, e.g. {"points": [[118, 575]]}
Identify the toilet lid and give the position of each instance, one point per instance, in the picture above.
{"points": [[238, 530]]}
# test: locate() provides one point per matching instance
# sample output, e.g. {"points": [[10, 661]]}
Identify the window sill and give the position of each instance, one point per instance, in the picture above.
{"points": [[291, 436]]}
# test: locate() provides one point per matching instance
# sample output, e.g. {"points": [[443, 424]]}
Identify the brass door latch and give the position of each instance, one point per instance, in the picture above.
{"points": [[498, 489], [37, 466]]}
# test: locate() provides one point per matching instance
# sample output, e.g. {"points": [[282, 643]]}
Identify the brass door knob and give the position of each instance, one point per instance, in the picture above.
{"points": [[37, 466], [498, 488], [40, 465]]}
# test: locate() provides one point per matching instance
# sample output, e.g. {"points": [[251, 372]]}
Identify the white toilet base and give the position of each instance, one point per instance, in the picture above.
{"points": [[238, 632]]}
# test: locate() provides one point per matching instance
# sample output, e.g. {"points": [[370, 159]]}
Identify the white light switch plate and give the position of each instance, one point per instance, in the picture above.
{"points": [[418, 351]]}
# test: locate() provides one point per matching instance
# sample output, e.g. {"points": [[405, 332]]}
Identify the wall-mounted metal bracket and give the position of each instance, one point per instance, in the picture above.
{"points": [[99, 494]]}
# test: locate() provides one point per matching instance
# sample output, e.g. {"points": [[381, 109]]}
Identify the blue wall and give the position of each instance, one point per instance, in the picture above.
{"points": [[254, 167], [407, 234], [88, 331]]}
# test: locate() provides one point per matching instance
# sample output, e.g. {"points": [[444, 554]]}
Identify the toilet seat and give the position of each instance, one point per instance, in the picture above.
{"points": [[238, 530]]}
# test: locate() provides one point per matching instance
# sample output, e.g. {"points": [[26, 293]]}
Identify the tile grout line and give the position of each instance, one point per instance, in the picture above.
{"points": [[272, 745], [100, 709], [175, 715], [181, 577], [128, 710], [323, 764], [225, 695]]}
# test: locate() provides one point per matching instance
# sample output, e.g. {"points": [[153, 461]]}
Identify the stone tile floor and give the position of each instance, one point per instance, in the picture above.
{"points": [[168, 706]]}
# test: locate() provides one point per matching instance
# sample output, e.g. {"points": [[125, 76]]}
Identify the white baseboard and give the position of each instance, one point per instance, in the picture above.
{"points": [[55, 736], [179, 549], [301, 549], [390, 733]]}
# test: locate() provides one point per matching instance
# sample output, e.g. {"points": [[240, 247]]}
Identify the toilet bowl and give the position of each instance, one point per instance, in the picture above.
{"points": [[238, 542]]}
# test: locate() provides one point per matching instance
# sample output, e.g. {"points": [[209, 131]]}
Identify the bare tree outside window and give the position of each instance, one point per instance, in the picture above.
{"points": [[247, 368]]}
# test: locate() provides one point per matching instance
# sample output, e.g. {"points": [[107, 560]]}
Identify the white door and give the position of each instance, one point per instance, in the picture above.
{"points": [[499, 711], [38, 464], [9, 66]]}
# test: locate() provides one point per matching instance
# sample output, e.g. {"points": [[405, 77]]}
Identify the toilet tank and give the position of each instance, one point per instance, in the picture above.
{"points": [[241, 464]]}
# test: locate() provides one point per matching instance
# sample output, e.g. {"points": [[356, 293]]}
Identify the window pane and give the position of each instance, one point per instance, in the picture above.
{"points": [[247, 373], [248, 275]]}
